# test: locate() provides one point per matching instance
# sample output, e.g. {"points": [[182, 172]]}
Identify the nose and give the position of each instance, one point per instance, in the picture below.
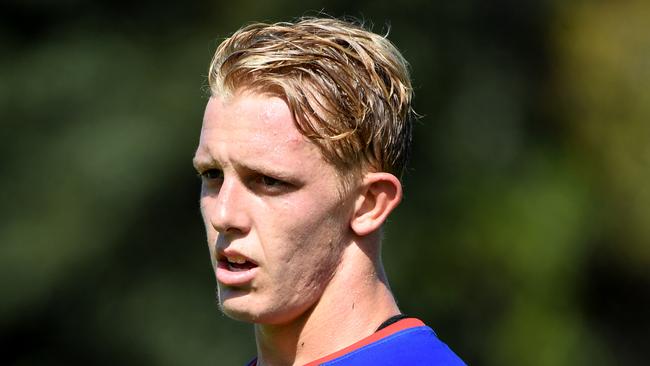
{"points": [[225, 209]]}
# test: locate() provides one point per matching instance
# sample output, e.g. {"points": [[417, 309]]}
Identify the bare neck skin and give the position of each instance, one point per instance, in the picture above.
{"points": [[356, 301]]}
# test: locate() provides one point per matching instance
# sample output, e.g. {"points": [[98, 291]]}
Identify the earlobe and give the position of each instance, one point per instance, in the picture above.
{"points": [[380, 194]]}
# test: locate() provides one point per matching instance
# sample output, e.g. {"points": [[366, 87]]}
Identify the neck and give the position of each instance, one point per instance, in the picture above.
{"points": [[356, 301]]}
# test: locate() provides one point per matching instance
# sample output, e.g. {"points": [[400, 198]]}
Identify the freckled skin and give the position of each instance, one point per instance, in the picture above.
{"points": [[295, 234]]}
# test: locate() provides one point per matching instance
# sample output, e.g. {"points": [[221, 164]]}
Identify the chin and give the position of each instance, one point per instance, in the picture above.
{"points": [[240, 305], [246, 309], [238, 314], [236, 304], [248, 315]]}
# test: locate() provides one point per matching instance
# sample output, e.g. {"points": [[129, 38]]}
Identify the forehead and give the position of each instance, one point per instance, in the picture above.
{"points": [[253, 127]]}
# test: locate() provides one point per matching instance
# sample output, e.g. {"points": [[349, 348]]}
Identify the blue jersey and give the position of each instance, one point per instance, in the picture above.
{"points": [[406, 342]]}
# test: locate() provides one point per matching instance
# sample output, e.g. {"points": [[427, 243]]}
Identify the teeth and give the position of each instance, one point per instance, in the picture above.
{"points": [[236, 259]]}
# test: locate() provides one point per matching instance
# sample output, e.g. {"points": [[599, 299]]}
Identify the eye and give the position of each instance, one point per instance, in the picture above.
{"points": [[267, 185], [271, 182], [211, 174]]}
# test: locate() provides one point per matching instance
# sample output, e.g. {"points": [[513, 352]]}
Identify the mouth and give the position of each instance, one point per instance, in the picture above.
{"points": [[235, 270], [239, 264]]}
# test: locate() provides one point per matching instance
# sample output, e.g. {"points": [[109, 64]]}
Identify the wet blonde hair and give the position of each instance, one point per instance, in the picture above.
{"points": [[348, 88]]}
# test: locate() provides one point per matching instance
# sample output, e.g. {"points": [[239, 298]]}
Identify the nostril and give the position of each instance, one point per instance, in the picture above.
{"points": [[229, 230]]}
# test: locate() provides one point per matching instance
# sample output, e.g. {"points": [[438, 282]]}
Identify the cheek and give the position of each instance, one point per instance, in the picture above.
{"points": [[308, 239], [302, 231], [206, 206], [211, 234]]}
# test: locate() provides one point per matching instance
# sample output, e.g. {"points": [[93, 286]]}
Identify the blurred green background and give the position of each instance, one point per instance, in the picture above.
{"points": [[524, 237]]}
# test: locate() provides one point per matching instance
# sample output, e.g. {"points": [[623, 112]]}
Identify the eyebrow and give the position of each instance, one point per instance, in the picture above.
{"points": [[203, 161], [267, 169]]}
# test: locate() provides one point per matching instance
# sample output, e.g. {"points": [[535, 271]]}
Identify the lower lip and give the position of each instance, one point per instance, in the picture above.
{"points": [[227, 277]]}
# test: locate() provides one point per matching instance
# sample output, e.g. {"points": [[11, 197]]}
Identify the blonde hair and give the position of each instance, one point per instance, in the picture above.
{"points": [[348, 88]]}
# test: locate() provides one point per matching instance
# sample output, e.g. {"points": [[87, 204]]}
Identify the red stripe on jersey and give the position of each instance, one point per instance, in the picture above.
{"points": [[386, 332]]}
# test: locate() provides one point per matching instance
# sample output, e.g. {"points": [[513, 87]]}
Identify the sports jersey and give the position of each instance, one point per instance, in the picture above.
{"points": [[406, 342]]}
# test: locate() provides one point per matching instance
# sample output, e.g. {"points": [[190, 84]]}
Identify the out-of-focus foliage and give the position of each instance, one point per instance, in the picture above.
{"points": [[604, 69], [522, 238]]}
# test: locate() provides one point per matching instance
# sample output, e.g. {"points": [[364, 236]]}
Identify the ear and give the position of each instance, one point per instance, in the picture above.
{"points": [[379, 194]]}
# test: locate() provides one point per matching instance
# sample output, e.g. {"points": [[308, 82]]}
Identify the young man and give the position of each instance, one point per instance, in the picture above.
{"points": [[303, 140]]}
